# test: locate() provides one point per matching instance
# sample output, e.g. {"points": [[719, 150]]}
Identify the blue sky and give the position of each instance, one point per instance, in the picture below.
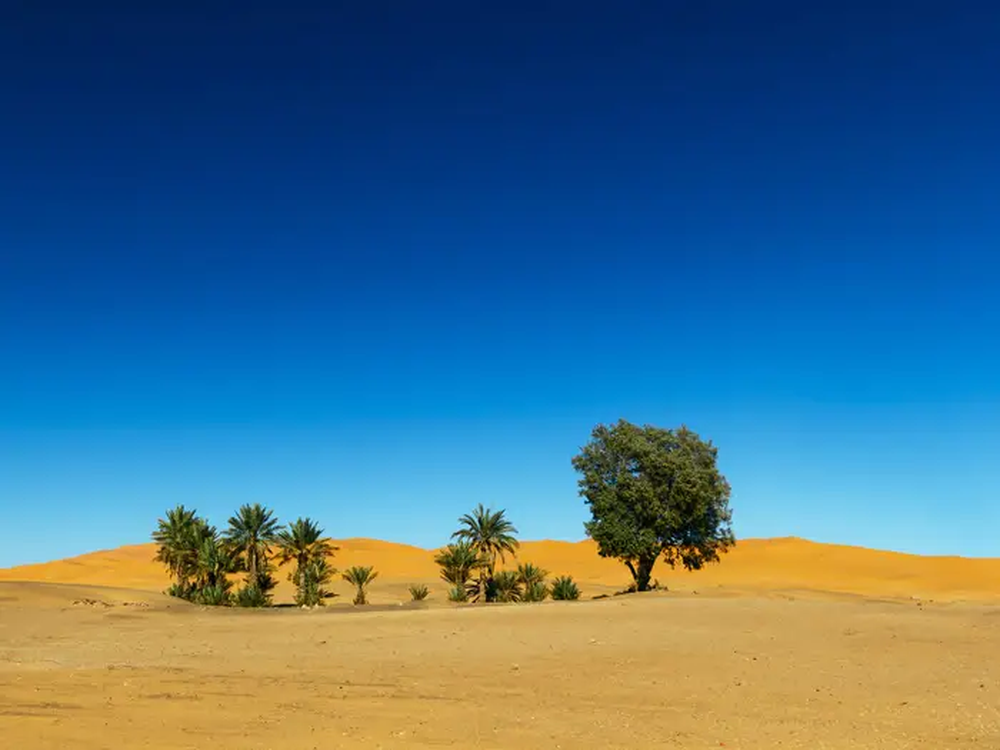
{"points": [[377, 267]]}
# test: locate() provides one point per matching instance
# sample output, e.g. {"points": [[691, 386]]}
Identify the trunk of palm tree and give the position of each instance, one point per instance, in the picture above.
{"points": [[486, 574]]}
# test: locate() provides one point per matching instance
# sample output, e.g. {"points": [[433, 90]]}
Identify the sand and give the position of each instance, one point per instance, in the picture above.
{"points": [[787, 644], [759, 565]]}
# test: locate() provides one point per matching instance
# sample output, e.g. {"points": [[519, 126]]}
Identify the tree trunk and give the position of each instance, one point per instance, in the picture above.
{"points": [[642, 571]]}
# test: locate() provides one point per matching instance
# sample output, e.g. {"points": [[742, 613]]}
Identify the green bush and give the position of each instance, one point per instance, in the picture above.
{"points": [[252, 595], [180, 591], [419, 592], [216, 595], [360, 576], [564, 589], [533, 582], [310, 583], [458, 594], [506, 587], [458, 562], [535, 592]]}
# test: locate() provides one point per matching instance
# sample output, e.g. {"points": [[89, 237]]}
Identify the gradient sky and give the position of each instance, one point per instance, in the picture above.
{"points": [[378, 262]]}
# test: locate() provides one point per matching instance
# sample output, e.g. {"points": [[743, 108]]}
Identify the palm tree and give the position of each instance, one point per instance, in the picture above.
{"points": [[419, 592], [360, 576], [564, 589], [304, 544], [532, 578], [492, 535], [251, 533], [311, 583], [506, 586], [216, 561], [458, 562], [175, 550], [196, 556]]}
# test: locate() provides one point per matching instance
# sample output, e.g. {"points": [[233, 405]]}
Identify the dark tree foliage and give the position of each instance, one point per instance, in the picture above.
{"points": [[654, 492]]}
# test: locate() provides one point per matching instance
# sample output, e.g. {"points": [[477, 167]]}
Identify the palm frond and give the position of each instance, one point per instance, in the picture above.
{"points": [[506, 586], [530, 574], [458, 562], [419, 592], [360, 576], [251, 533], [564, 589]]}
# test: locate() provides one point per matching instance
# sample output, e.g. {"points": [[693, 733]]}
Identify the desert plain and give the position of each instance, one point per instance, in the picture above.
{"points": [[785, 644]]}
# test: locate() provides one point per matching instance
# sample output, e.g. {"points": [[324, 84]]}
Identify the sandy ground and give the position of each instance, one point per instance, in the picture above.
{"points": [[786, 644], [85, 667]]}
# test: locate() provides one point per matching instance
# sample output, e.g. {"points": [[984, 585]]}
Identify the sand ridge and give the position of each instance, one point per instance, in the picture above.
{"points": [[755, 565]]}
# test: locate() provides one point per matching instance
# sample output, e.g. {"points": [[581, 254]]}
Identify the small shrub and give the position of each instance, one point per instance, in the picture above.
{"points": [[506, 587], [310, 583], [535, 592], [564, 589], [533, 580], [458, 594], [180, 591], [458, 562], [360, 576], [419, 592], [213, 596], [252, 595]]}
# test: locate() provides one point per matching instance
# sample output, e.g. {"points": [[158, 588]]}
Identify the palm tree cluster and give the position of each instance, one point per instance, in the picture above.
{"points": [[195, 554], [484, 539], [202, 561]]}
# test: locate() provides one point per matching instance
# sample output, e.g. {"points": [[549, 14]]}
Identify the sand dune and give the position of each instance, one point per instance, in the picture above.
{"points": [[755, 565]]}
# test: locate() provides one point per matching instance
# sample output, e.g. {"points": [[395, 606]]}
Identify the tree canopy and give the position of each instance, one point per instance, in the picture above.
{"points": [[251, 533], [490, 533], [303, 543], [654, 492]]}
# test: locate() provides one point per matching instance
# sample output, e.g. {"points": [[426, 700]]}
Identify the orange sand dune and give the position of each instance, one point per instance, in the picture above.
{"points": [[754, 565]]}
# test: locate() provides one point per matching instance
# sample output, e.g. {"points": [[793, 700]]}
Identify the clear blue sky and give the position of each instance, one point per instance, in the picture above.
{"points": [[379, 262]]}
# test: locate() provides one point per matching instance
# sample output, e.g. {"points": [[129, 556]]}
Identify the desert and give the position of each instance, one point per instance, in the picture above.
{"points": [[785, 643], [499, 376]]}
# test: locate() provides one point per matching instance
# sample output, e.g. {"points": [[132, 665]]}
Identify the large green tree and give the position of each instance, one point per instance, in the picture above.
{"points": [[654, 492]]}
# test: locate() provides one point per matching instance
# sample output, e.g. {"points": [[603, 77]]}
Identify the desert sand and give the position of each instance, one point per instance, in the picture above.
{"points": [[785, 644]]}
